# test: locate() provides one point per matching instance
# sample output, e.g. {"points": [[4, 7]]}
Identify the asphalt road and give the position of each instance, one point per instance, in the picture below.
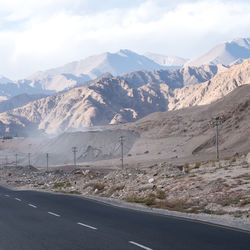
{"points": [[36, 220]]}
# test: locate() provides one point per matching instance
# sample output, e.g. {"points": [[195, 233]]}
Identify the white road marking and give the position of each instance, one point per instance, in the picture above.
{"points": [[18, 199], [31, 205], [6, 195], [84, 225], [57, 215], [139, 245]]}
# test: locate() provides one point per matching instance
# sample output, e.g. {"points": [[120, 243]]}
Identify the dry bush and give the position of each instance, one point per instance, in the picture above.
{"points": [[98, 186], [176, 205], [197, 164], [115, 188], [149, 200], [186, 167], [160, 194], [59, 185], [245, 176], [233, 159]]}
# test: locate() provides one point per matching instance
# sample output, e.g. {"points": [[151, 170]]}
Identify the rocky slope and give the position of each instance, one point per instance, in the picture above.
{"points": [[227, 53], [212, 90], [109, 100], [18, 101], [174, 78]]}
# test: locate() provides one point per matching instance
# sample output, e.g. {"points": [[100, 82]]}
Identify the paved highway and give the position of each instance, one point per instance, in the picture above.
{"points": [[36, 220]]}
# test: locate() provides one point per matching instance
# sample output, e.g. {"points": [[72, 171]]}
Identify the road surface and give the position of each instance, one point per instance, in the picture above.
{"points": [[38, 220]]}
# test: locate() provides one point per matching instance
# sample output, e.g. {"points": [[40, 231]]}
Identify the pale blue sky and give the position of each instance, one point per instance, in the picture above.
{"points": [[40, 34]]}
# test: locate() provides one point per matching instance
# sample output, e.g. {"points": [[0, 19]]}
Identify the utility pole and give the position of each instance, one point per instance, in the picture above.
{"points": [[217, 138], [74, 150], [122, 141], [29, 159], [47, 160], [16, 160], [29, 153]]}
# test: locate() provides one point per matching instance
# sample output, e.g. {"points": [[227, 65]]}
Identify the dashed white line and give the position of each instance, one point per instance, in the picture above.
{"points": [[18, 199], [140, 245], [6, 195], [57, 215], [88, 226], [31, 205]]}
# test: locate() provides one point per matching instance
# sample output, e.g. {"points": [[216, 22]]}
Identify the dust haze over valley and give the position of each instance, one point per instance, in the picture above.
{"points": [[97, 114]]}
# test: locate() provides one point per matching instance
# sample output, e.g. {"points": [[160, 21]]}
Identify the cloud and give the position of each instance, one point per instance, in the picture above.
{"points": [[36, 35]]}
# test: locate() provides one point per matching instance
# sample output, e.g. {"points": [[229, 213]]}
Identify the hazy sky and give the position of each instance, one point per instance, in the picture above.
{"points": [[40, 34]]}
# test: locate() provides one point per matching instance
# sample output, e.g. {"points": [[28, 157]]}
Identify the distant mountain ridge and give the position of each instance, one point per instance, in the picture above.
{"points": [[177, 78], [124, 61], [168, 61], [227, 53], [76, 73]]}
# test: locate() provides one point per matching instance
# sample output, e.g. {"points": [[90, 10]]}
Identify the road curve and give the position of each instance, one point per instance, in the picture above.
{"points": [[37, 220]]}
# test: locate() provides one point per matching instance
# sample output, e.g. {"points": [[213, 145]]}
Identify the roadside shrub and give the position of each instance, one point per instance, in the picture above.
{"points": [[160, 194], [148, 200], [58, 185], [115, 188], [98, 186], [186, 167], [233, 159], [135, 199], [197, 164]]}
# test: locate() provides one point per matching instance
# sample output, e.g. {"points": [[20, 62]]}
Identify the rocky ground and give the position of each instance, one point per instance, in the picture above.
{"points": [[211, 187]]}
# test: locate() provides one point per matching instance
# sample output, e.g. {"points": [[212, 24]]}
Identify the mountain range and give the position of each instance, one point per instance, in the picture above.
{"points": [[114, 100], [82, 72]]}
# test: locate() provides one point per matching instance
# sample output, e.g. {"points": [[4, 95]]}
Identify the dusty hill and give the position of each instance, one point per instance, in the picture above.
{"points": [[189, 134]]}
